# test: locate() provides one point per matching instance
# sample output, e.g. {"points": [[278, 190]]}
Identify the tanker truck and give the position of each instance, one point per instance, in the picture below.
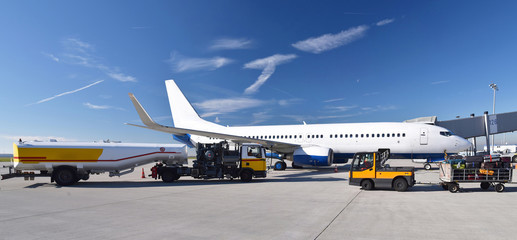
{"points": [[68, 162]]}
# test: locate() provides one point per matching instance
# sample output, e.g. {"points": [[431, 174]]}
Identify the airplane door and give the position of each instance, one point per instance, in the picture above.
{"points": [[424, 136]]}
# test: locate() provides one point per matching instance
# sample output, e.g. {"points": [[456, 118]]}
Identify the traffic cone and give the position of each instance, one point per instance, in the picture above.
{"points": [[335, 169], [143, 174]]}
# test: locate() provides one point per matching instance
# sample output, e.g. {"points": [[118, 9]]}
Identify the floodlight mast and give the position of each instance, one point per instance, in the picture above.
{"points": [[495, 88]]}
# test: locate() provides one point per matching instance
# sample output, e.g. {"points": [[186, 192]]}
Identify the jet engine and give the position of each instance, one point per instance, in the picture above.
{"points": [[313, 156]]}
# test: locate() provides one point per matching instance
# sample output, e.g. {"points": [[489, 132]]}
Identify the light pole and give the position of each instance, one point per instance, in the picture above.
{"points": [[495, 88]]}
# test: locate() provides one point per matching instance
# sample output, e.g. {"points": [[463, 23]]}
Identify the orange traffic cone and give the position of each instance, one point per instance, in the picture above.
{"points": [[143, 174]]}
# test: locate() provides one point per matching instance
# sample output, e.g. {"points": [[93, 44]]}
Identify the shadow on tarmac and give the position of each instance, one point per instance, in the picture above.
{"points": [[310, 175]]}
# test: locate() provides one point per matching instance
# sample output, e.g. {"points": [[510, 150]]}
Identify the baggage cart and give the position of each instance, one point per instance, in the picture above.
{"points": [[451, 176]]}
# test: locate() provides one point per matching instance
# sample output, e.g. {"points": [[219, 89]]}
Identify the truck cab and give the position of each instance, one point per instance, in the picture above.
{"points": [[369, 170], [253, 160]]}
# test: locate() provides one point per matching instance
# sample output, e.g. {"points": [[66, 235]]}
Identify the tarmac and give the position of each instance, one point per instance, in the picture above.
{"points": [[291, 204]]}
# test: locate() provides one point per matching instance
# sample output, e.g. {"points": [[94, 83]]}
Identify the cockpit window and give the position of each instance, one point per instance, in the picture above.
{"points": [[446, 133]]}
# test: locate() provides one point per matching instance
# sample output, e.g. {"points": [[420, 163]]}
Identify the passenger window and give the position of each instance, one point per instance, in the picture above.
{"points": [[341, 135], [398, 134], [357, 135], [362, 135], [403, 135], [383, 135]]}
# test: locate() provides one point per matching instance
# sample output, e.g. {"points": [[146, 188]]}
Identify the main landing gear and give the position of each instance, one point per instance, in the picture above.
{"points": [[280, 166]]}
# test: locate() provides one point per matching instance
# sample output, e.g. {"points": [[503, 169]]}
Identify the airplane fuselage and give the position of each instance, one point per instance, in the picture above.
{"points": [[405, 140]]}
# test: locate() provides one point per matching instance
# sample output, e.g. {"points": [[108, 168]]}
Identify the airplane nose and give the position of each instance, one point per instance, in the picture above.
{"points": [[462, 144]]}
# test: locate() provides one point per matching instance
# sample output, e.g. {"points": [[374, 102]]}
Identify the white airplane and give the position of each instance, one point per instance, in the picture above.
{"points": [[310, 144]]}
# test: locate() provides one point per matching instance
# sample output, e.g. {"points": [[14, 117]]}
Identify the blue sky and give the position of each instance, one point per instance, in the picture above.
{"points": [[67, 66]]}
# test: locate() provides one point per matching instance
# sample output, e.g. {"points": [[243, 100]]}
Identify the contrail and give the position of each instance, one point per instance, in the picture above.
{"points": [[66, 93]]}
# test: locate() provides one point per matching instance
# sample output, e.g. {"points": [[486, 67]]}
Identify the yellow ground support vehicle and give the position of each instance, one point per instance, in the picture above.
{"points": [[218, 161], [369, 171]]}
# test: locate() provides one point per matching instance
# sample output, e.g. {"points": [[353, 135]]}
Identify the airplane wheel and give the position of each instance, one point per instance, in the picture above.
{"points": [[499, 187], [284, 166], [454, 187], [279, 166], [400, 185], [296, 166], [485, 185], [367, 184], [427, 166]]}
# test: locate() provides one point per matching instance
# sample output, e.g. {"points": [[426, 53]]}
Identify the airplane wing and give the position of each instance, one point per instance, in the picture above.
{"points": [[151, 124]]}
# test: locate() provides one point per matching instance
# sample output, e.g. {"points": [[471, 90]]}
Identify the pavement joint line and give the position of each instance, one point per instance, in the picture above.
{"points": [[342, 210], [93, 206]]}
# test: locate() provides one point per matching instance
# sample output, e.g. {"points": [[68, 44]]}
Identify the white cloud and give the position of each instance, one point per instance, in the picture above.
{"points": [[66, 93], [51, 56], [228, 105], [268, 65], [122, 77], [260, 117], [182, 64], [287, 102], [330, 41], [77, 44], [276, 59], [96, 107], [231, 43], [439, 82], [81, 53], [334, 100], [340, 108], [384, 22], [100, 107]]}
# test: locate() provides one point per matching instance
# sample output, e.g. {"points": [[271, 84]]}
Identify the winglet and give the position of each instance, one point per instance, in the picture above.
{"points": [[144, 117]]}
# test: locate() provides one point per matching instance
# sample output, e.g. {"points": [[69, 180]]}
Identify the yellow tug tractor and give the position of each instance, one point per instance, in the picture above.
{"points": [[368, 170]]}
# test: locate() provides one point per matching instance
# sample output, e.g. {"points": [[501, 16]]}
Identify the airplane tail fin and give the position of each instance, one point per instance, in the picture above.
{"points": [[183, 114]]}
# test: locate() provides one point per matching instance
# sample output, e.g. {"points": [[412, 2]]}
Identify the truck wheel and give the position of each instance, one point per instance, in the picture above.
{"points": [[427, 166], [65, 176], [246, 176], [168, 175], [367, 184], [400, 184], [514, 159], [485, 185], [284, 166], [454, 187], [499, 187]]}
